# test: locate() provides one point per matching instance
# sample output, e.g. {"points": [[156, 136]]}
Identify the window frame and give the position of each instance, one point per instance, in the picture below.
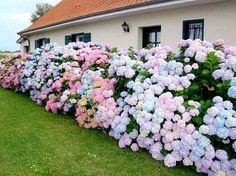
{"points": [[147, 31], [186, 23], [41, 42], [73, 36]]}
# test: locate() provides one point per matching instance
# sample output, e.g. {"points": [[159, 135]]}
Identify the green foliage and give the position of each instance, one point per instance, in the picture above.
{"points": [[132, 125], [181, 53], [222, 88], [120, 86], [143, 59], [206, 72], [114, 50], [3, 55], [204, 86], [41, 9], [164, 152], [149, 46], [131, 53], [144, 73], [198, 120], [212, 62], [217, 142], [103, 68], [170, 57], [65, 86]]}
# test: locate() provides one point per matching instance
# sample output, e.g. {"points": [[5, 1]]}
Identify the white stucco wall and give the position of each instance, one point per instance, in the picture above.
{"points": [[219, 23], [23, 44]]}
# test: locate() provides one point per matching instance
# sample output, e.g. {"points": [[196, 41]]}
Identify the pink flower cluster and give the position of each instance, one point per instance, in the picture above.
{"points": [[96, 108], [11, 69], [72, 79]]}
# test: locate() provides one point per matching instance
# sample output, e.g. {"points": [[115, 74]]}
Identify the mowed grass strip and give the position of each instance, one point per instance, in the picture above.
{"points": [[36, 142]]}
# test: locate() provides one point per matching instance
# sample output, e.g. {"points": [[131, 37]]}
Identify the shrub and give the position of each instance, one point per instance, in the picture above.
{"points": [[179, 107], [11, 69]]}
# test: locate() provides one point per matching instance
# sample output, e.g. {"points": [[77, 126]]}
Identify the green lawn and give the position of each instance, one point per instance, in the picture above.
{"points": [[3, 55], [36, 142]]}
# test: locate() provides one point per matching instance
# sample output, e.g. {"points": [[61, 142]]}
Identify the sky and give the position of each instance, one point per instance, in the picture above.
{"points": [[15, 16]]}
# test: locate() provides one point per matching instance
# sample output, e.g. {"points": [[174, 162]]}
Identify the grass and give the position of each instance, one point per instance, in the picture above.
{"points": [[36, 142], [3, 55]]}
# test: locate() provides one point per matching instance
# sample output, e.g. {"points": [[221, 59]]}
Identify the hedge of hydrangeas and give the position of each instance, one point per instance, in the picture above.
{"points": [[180, 107], [11, 69]]}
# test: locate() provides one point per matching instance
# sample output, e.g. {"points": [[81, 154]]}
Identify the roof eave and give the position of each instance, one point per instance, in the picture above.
{"points": [[20, 40]]}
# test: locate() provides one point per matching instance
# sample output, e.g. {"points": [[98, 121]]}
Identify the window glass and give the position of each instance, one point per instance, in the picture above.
{"points": [[79, 38], [44, 42], [152, 37], [158, 37], [193, 29]]}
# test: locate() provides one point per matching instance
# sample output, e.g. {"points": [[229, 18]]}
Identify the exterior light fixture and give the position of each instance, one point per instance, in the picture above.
{"points": [[125, 27]]}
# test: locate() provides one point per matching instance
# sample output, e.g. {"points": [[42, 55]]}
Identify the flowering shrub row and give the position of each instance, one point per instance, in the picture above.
{"points": [[179, 107], [11, 69]]}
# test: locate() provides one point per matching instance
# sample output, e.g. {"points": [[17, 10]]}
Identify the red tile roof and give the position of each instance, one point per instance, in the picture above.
{"points": [[69, 10]]}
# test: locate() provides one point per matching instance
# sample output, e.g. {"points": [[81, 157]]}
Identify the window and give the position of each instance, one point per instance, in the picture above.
{"points": [[26, 49], [41, 42], [77, 37], [80, 37], [193, 29], [152, 35]]}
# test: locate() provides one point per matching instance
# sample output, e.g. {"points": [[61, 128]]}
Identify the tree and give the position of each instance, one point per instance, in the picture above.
{"points": [[41, 8]]}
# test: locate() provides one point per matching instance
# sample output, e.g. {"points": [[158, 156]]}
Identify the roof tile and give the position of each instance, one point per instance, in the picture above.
{"points": [[68, 10]]}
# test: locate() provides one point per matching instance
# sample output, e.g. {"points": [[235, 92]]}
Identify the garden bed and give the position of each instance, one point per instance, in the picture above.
{"points": [[178, 106]]}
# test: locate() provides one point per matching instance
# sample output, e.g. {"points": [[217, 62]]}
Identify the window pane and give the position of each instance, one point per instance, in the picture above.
{"points": [[195, 31], [158, 37], [152, 37], [40, 42], [79, 38], [191, 34]]}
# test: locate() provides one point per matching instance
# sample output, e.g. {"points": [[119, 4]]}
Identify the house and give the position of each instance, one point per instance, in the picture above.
{"points": [[125, 23]]}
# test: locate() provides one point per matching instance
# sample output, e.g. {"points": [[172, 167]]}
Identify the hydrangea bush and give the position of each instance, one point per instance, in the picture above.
{"points": [[11, 69], [178, 106]]}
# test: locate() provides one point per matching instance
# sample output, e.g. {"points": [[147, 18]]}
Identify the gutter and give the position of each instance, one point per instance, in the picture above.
{"points": [[115, 12]]}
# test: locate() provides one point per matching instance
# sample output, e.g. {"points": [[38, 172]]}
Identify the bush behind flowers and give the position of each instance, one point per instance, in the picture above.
{"points": [[180, 107]]}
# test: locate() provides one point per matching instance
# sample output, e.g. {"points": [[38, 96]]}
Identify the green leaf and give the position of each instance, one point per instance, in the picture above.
{"points": [[149, 46], [206, 72], [164, 152], [135, 66], [132, 125], [114, 50], [194, 86], [197, 120], [145, 73], [207, 65], [220, 85]]}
